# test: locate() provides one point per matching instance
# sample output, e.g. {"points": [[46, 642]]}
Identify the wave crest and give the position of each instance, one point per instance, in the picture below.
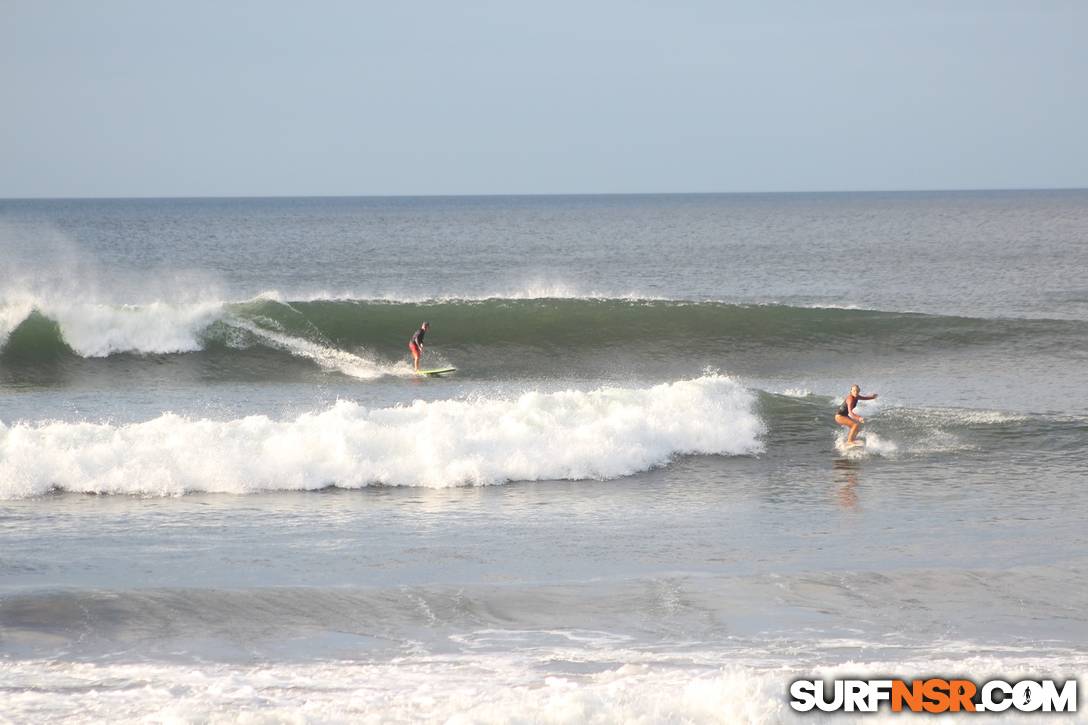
{"points": [[375, 331], [572, 435]]}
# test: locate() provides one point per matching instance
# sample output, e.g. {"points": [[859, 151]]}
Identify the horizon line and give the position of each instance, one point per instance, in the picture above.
{"points": [[547, 194]]}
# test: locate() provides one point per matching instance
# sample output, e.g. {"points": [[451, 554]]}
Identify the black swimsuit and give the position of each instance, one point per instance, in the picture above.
{"points": [[844, 409]]}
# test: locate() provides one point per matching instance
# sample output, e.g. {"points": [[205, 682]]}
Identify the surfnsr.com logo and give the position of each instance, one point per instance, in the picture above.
{"points": [[934, 695]]}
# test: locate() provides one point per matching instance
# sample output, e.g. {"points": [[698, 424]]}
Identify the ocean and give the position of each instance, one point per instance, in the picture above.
{"points": [[225, 496]]}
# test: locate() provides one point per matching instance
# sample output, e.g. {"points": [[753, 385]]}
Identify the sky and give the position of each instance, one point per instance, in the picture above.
{"points": [[231, 98]]}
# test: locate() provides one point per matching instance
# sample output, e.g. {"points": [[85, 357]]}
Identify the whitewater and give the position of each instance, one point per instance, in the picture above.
{"points": [[573, 435]]}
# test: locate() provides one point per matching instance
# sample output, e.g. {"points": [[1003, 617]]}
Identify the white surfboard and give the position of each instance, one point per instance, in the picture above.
{"points": [[437, 371]]}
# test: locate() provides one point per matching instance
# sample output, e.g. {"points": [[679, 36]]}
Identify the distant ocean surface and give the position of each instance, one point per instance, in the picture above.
{"points": [[225, 496]]}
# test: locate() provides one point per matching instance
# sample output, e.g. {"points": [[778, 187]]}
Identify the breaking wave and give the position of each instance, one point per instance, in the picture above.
{"points": [[366, 338], [601, 434]]}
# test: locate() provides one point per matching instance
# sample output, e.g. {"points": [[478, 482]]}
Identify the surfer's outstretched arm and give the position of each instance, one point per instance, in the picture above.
{"points": [[858, 397]]}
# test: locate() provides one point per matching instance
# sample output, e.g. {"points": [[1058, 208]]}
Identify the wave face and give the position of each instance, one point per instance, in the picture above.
{"points": [[366, 339], [604, 433]]}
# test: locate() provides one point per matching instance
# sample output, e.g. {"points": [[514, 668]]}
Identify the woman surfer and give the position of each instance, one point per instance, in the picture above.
{"points": [[846, 416]]}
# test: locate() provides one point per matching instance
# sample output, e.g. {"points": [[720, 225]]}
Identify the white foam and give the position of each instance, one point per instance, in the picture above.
{"points": [[958, 416], [833, 306], [458, 689], [329, 358], [573, 434], [100, 330], [95, 329], [452, 689], [874, 446], [529, 291]]}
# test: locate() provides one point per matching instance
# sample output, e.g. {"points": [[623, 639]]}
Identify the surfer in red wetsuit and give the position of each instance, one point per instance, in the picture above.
{"points": [[845, 415], [416, 344]]}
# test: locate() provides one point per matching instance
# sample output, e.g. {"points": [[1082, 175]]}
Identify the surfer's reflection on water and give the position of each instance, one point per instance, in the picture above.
{"points": [[846, 478]]}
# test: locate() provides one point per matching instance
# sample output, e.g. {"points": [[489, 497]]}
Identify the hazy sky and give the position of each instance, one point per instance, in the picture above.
{"points": [[205, 98]]}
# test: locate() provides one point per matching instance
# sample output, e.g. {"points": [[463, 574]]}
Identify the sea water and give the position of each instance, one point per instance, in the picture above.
{"points": [[225, 496]]}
